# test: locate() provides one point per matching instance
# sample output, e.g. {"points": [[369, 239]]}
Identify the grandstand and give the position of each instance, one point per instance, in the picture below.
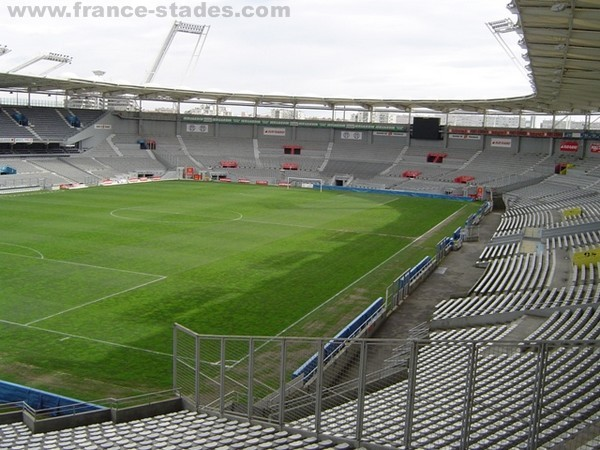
{"points": [[513, 362]]}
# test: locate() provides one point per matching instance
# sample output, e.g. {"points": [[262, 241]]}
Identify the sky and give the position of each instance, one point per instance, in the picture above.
{"points": [[426, 49]]}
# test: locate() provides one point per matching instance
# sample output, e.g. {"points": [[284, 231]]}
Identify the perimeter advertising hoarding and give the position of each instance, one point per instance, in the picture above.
{"points": [[569, 146], [501, 142]]}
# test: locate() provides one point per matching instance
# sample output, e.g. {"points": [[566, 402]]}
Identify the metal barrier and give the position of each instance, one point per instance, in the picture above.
{"points": [[439, 394]]}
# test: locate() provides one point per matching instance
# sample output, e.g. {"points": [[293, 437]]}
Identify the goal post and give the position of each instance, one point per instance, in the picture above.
{"points": [[307, 183]]}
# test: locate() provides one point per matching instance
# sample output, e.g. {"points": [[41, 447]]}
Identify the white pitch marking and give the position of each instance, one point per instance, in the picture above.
{"points": [[114, 213], [93, 266], [95, 301], [156, 279], [329, 300], [410, 244], [40, 254], [75, 336]]}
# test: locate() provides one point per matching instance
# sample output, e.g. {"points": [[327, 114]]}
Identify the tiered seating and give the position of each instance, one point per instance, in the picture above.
{"points": [[49, 123], [515, 273], [540, 299], [311, 157], [87, 117], [181, 430], [210, 150], [513, 286], [503, 393], [9, 129]]}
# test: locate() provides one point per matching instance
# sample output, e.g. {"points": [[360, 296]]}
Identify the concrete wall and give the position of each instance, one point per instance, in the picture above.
{"points": [[313, 134], [467, 142], [237, 131]]}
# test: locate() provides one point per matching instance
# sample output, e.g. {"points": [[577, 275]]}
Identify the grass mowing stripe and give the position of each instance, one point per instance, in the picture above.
{"points": [[292, 251], [124, 291], [84, 338], [378, 266]]}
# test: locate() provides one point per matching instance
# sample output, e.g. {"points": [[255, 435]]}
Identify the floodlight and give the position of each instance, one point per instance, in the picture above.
{"points": [[189, 28], [558, 7], [57, 57], [502, 26], [54, 57], [200, 30], [4, 50]]}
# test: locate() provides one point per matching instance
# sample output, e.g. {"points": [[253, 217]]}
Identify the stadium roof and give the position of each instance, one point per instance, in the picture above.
{"points": [[562, 40], [563, 45]]}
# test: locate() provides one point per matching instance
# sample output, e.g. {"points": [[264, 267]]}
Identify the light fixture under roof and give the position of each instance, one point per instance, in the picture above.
{"points": [[558, 7]]}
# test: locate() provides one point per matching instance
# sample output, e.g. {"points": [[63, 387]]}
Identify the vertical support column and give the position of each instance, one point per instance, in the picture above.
{"points": [[362, 379], [282, 383], [197, 372], [178, 120], [469, 396], [411, 392], [538, 395], [250, 405], [408, 138], [319, 387], [175, 356], [222, 378], [446, 139]]}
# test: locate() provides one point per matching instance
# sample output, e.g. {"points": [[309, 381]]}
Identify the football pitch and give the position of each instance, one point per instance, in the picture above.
{"points": [[92, 280]]}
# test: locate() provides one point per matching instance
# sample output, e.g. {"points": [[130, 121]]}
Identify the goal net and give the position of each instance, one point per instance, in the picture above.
{"points": [[307, 183]]}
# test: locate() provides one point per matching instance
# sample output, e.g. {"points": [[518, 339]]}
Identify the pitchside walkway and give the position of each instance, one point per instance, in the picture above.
{"points": [[455, 276]]}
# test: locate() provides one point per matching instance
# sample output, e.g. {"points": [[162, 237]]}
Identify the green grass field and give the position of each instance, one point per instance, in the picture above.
{"points": [[92, 280]]}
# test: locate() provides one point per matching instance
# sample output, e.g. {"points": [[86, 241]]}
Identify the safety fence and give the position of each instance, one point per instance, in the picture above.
{"points": [[403, 394]]}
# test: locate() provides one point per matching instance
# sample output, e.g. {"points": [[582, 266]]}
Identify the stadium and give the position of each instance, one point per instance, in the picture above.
{"points": [[189, 278]]}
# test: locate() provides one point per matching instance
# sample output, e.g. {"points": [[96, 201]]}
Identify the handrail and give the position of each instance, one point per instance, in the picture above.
{"points": [[97, 405]]}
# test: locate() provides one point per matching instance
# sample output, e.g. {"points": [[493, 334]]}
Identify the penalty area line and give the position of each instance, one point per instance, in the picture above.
{"points": [[83, 305], [85, 338]]}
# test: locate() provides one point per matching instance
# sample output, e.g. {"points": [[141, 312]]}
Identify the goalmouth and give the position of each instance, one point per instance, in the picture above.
{"points": [[307, 183]]}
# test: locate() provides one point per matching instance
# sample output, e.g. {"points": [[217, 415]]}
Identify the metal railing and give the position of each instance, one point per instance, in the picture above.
{"points": [[70, 409], [447, 393]]}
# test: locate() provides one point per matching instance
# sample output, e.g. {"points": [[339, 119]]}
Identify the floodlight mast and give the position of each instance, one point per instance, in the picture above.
{"points": [[498, 28], [200, 30], [55, 57]]}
